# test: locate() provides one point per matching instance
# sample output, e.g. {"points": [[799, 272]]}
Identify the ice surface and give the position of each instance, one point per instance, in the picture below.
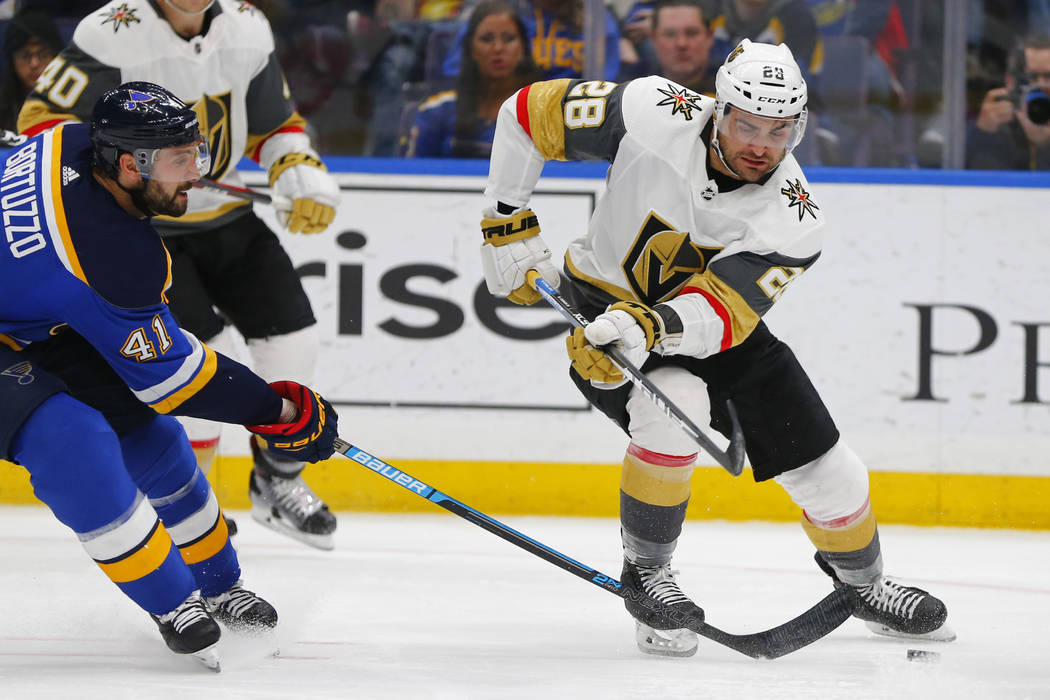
{"points": [[430, 606]]}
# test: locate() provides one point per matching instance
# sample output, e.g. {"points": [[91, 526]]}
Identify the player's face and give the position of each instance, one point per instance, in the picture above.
{"points": [[497, 47], [753, 145], [165, 198]]}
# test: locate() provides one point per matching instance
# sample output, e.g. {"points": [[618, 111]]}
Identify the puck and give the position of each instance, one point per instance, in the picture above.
{"points": [[921, 655]]}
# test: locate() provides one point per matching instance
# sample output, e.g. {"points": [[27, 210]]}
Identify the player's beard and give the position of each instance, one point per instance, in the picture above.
{"points": [[152, 200], [749, 171]]}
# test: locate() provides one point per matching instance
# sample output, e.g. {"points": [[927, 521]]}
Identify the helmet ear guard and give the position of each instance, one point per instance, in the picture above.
{"points": [[142, 119]]}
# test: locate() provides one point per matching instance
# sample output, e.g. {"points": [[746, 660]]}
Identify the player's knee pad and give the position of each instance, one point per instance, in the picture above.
{"points": [[159, 457], [833, 486], [167, 473], [651, 429], [290, 356], [77, 468]]}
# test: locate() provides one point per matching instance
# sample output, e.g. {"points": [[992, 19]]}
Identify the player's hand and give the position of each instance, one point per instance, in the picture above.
{"points": [[512, 247], [305, 195], [310, 436], [630, 327], [591, 363]]}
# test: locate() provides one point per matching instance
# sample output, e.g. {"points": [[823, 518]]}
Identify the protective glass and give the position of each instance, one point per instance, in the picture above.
{"points": [[187, 163], [766, 132]]}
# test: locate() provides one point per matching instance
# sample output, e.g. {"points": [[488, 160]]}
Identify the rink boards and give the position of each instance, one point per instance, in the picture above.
{"points": [[924, 325]]}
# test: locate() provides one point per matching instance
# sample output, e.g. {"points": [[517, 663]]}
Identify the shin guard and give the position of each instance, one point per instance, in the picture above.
{"points": [[654, 493], [162, 464]]}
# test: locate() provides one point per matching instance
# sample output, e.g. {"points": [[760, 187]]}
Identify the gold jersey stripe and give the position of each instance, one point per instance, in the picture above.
{"points": [[546, 123], [742, 317], [9, 342], [204, 376], [654, 484], [607, 287], [856, 536], [143, 561], [254, 142], [37, 112], [207, 546]]}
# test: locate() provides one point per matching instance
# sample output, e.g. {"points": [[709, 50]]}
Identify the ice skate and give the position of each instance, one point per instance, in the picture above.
{"points": [[677, 642], [242, 611], [190, 629], [895, 610], [289, 506], [655, 633]]}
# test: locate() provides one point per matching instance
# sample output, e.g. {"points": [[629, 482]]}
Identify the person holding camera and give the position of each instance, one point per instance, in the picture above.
{"points": [[1012, 130]]}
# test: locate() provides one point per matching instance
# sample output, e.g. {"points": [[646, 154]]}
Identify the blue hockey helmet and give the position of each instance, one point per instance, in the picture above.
{"points": [[143, 119]]}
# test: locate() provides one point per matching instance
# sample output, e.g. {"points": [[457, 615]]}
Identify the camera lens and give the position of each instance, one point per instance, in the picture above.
{"points": [[1037, 105]]}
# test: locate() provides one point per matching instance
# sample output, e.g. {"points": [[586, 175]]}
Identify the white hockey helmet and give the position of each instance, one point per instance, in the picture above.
{"points": [[763, 80]]}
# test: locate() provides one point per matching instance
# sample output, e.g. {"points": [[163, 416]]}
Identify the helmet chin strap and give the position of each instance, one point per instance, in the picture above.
{"points": [[172, 5], [718, 149]]}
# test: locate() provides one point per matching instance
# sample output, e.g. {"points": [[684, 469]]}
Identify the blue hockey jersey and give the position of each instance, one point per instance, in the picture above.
{"points": [[71, 255]]}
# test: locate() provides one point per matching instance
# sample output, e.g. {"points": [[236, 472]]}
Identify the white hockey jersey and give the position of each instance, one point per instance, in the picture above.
{"points": [[229, 74], [665, 226]]}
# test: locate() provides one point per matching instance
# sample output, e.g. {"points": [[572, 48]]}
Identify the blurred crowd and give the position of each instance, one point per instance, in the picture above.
{"points": [[425, 78]]}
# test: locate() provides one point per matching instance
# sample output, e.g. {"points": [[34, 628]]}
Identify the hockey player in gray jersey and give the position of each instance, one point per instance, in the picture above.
{"points": [[706, 220], [228, 268]]}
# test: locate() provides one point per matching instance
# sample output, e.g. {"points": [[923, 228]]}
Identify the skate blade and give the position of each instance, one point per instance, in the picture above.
{"points": [[944, 633], [678, 643], [209, 656], [263, 516]]}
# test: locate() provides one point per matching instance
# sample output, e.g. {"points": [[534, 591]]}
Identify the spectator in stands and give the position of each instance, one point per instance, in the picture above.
{"points": [[555, 30], [784, 21], [495, 63], [31, 41], [1004, 136], [682, 39]]}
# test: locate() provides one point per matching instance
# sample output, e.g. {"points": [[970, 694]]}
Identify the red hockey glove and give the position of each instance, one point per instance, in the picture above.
{"points": [[309, 438]]}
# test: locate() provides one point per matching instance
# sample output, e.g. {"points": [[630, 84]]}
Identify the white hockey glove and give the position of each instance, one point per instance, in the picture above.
{"points": [[305, 195], [512, 247]]}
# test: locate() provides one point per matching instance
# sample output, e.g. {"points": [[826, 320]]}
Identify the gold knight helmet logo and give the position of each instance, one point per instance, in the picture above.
{"points": [[662, 260], [213, 115]]}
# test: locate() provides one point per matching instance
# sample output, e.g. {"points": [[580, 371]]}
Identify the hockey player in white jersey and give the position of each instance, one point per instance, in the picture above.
{"points": [[706, 220], [228, 267]]}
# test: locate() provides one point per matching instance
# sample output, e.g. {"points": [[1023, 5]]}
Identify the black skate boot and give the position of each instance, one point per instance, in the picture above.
{"points": [[242, 611], [894, 610], [656, 633], [190, 629], [288, 505]]}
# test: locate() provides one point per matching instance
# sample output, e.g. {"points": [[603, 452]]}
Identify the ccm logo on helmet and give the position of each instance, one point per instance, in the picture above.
{"points": [[774, 100]]}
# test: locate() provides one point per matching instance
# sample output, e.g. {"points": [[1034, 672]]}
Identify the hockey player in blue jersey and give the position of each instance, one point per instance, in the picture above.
{"points": [[93, 367]]}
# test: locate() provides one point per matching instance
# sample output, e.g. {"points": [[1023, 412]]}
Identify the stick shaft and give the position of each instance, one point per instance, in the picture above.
{"points": [[233, 191], [815, 623], [732, 459]]}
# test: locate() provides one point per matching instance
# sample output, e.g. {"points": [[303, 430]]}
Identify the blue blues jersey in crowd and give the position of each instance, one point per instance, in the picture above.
{"points": [[71, 256], [557, 47], [433, 132]]}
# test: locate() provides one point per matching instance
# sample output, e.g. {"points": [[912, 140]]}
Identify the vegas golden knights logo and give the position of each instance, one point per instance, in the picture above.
{"points": [[214, 115], [662, 260]]}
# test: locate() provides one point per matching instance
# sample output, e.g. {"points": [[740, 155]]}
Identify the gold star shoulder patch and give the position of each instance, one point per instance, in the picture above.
{"points": [[121, 16], [799, 198], [679, 100]]}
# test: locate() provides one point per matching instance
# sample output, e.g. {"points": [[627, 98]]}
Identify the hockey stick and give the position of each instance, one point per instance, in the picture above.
{"points": [[805, 629], [233, 191], [732, 459]]}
